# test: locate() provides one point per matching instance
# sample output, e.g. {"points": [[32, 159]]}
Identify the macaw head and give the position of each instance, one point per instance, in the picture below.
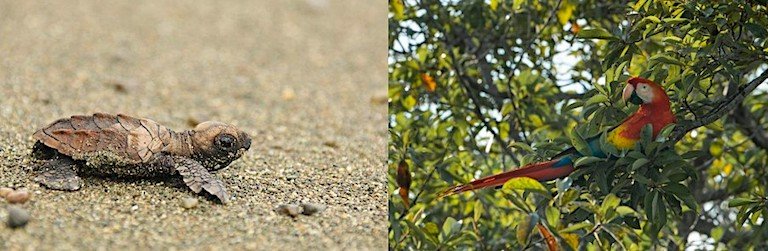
{"points": [[642, 91]]}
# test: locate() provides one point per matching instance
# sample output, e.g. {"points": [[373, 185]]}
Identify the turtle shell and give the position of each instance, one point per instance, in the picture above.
{"points": [[131, 139]]}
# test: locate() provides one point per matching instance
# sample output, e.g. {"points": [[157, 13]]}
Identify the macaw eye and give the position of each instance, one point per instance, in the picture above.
{"points": [[225, 141]]}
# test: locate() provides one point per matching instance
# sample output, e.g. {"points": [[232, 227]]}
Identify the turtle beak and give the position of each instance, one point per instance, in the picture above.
{"points": [[630, 96]]}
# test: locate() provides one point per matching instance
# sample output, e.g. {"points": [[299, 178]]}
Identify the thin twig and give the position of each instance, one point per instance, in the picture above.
{"points": [[724, 105]]}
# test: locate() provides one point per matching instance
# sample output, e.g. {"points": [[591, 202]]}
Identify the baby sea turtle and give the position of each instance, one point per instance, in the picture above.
{"points": [[124, 146]]}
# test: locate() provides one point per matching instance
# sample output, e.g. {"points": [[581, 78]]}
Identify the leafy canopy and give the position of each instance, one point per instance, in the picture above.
{"points": [[479, 87]]}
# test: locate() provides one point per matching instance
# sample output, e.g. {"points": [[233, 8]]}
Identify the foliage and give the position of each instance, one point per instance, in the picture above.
{"points": [[478, 87]]}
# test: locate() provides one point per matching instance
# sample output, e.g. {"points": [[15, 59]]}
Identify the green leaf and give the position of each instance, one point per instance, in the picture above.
{"points": [[579, 143], [742, 217], [592, 208], [646, 135], [648, 203], [553, 216], [643, 180], [716, 149], [639, 163], [602, 180], [586, 161], [398, 8], [607, 209], [568, 196], [755, 216], [653, 19], [565, 12], [525, 228], [632, 221], [612, 56], [431, 229], [421, 52], [418, 232], [659, 210], [625, 210], [639, 4], [677, 189], [683, 193], [409, 102], [674, 20], [694, 154], [450, 227], [671, 39], [517, 4], [717, 233], [610, 202], [519, 203], [599, 98], [577, 226], [527, 184], [737, 202], [563, 184], [677, 177], [757, 30], [572, 106], [664, 133], [521, 145], [596, 33], [648, 29], [664, 58], [478, 210]]}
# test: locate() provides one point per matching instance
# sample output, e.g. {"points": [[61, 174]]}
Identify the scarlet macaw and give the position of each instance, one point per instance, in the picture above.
{"points": [[654, 109]]}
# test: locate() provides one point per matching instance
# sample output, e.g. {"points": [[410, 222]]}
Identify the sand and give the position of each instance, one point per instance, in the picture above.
{"points": [[299, 76]]}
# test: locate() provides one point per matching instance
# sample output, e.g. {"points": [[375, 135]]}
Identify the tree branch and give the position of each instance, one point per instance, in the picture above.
{"points": [[733, 99], [750, 126], [705, 227], [722, 107]]}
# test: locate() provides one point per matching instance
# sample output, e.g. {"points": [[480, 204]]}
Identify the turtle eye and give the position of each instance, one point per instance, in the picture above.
{"points": [[225, 141]]}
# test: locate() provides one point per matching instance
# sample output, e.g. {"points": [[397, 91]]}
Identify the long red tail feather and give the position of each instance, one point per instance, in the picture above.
{"points": [[541, 171]]}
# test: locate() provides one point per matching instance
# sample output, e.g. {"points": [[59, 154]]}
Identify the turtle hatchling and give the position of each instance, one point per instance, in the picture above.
{"points": [[124, 146]]}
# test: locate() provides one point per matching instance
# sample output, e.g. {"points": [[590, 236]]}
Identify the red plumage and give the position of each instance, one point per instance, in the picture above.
{"points": [[654, 109], [541, 171]]}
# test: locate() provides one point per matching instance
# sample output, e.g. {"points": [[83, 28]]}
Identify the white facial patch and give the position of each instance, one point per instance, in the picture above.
{"points": [[644, 92]]}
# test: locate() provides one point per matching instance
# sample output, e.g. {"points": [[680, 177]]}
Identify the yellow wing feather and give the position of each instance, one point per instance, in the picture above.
{"points": [[620, 142]]}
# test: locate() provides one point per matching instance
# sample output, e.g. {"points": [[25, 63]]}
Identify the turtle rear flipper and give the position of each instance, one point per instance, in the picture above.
{"points": [[197, 178], [59, 174]]}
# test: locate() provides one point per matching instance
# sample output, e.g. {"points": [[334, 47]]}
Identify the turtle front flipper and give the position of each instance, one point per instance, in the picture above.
{"points": [[197, 178], [59, 174]]}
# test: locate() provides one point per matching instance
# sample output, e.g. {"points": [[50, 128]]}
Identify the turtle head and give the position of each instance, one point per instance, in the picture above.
{"points": [[217, 144]]}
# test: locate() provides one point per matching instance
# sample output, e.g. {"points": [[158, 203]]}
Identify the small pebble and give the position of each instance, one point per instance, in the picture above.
{"points": [[192, 122], [5, 191], [189, 202], [311, 208], [382, 99], [331, 144], [120, 87], [17, 216], [288, 94], [292, 210], [17, 197]]}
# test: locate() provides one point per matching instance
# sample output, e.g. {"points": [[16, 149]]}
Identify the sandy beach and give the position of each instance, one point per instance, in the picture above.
{"points": [[304, 78]]}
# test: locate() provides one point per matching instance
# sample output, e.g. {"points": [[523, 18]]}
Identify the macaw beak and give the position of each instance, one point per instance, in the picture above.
{"points": [[629, 95]]}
